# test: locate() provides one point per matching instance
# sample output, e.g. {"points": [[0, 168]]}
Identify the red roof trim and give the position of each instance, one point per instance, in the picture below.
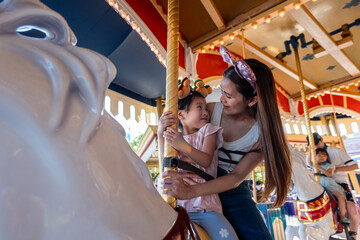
{"points": [[209, 65], [283, 101], [353, 104], [151, 17]]}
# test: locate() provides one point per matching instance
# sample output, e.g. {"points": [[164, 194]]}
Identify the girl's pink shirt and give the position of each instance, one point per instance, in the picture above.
{"points": [[208, 202]]}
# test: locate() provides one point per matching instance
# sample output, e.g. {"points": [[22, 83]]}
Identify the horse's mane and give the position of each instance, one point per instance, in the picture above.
{"points": [[68, 68]]}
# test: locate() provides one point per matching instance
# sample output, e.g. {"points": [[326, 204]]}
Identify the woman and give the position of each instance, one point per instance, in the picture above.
{"points": [[249, 115]]}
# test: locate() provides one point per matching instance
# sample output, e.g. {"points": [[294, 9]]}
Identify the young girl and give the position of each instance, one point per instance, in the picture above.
{"points": [[326, 171], [197, 144]]}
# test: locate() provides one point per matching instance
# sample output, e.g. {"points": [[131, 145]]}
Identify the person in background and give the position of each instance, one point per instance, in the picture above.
{"points": [[343, 164], [326, 170]]}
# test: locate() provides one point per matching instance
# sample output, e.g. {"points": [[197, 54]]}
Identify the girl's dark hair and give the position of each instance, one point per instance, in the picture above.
{"points": [[272, 138], [322, 150], [184, 104]]}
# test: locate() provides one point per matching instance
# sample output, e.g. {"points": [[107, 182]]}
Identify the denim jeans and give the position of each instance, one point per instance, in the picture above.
{"points": [[242, 212], [215, 224]]}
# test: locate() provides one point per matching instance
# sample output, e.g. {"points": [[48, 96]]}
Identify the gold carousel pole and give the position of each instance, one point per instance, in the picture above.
{"points": [[172, 75], [335, 122], [243, 41], [306, 111], [159, 111], [253, 172]]}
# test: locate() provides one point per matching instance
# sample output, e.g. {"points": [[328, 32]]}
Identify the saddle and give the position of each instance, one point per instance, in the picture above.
{"points": [[313, 210]]}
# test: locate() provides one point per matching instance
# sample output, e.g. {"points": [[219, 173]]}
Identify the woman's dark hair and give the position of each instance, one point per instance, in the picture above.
{"points": [[272, 138], [184, 103], [322, 150]]}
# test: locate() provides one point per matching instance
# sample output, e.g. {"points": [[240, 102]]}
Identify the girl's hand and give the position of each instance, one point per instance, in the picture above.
{"points": [[176, 140], [166, 120], [173, 184], [316, 165]]}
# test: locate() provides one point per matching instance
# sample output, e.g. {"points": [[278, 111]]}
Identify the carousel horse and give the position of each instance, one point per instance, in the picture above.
{"points": [[66, 171], [313, 205]]}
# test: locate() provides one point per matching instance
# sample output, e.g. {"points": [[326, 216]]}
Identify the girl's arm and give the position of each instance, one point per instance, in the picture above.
{"points": [[166, 120], [203, 158], [328, 172], [175, 185], [308, 159]]}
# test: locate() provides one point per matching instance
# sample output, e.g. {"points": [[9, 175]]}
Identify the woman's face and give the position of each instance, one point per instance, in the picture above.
{"points": [[233, 101]]}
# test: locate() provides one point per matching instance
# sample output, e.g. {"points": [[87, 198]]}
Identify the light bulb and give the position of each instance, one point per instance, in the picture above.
{"points": [[282, 12]]}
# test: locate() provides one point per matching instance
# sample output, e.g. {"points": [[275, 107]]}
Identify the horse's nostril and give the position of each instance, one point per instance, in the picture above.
{"points": [[29, 31]]}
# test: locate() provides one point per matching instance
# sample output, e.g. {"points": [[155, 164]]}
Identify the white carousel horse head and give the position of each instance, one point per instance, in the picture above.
{"points": [[307, 189], [66, 170]]}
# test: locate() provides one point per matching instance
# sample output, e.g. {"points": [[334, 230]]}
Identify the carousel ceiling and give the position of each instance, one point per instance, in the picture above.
{"points": [[132, 34], [98, 27]]}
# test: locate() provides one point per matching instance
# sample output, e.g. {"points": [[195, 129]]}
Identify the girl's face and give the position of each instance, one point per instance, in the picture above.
{"points": [[196, 117], [321, 157], [233, 101]]}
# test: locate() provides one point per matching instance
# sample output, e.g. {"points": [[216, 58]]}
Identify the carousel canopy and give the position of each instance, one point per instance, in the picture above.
{"points": [[98, 27], [132, 34]]}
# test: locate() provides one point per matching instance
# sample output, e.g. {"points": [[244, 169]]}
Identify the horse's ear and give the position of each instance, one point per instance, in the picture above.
{"points": [[32, 14]]}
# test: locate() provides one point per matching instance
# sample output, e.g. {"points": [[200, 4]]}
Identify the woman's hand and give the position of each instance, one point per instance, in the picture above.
{"points": [[166, 120], [173, 184], [176, 140]]}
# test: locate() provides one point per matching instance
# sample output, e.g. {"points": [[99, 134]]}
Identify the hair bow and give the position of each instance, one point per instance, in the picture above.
{"points": [[241, 67]]}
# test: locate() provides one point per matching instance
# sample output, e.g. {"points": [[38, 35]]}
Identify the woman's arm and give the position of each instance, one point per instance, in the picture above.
{"points": [[203, 158], [175, 185]]}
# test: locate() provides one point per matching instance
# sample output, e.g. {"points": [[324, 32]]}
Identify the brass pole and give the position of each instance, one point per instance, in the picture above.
{"points": [[253, 172], [306, 112], [243, 42], [335, 122], [159, 112], [172, 75], [325, 122]]}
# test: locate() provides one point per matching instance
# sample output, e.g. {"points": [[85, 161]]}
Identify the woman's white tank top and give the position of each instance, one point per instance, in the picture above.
{"points": [[236, 149]]}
